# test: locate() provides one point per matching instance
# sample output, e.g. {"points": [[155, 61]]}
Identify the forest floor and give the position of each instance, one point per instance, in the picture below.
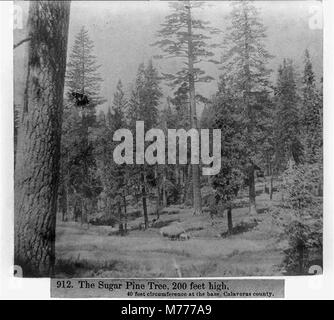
{"points": [[255, 249]]}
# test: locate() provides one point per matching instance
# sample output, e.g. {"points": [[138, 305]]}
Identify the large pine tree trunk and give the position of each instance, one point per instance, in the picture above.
{"points": [[38, 148], [197, 198]]}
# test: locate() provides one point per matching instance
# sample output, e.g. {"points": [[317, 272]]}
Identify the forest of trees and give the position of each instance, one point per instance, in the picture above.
{"points": [[64, 146]]}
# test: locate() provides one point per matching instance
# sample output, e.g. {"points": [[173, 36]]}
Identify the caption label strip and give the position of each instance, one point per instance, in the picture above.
{"points": [[167, 288]]}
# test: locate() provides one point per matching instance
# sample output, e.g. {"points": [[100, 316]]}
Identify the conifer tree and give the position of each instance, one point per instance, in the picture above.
{"points": [[112, 175], [184, 37], [288, 137], [82, 70], [311, 114], [225, 117], [78, 162], [119, 107], [245, 61], [143, 106], [38, 140]]}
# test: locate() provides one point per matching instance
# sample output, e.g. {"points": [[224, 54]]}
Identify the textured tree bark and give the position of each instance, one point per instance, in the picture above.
{"points": [[197, 198], [38, 149]]}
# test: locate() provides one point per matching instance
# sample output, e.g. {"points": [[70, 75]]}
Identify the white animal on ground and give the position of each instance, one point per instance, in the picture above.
{"points": [[184, 236]]}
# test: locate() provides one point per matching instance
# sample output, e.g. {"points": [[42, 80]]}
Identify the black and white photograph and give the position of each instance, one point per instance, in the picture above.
{"points": [[168, 139]]}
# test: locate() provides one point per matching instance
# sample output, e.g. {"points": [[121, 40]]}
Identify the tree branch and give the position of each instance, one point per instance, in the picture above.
{"points": [[20, 42]]}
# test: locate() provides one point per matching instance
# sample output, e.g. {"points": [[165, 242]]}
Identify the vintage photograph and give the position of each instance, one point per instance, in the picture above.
{"points": [[168, 139]]}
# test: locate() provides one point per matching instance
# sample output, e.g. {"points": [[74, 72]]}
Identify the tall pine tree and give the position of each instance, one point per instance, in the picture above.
{"points": [[143, 106], [184, 37], [225, 117], [311, 114], [38, 141], [82, 69], [288, 145], [119, 107], [245, 61], [83, 95], [113, 176]]}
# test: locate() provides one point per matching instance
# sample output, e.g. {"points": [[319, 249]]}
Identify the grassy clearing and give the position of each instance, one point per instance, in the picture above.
{"points": [[253, 250]]}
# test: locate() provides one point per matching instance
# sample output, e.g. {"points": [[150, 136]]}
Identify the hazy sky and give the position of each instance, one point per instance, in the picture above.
{"points": [[123, 31]]}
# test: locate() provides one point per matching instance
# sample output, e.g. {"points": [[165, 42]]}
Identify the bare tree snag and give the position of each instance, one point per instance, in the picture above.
{"points": [[38, 149]]}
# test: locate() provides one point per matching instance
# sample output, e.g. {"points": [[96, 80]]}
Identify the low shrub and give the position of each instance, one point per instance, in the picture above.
{"points": [[300, 217], [170, 211], [243, 226], [102, 219]]}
